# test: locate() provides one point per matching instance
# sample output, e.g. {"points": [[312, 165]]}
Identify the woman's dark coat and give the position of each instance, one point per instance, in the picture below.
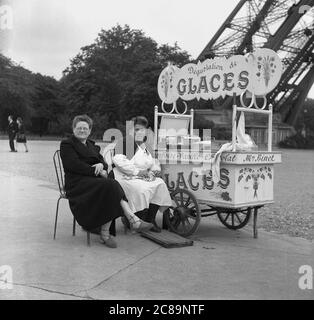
{"points": [[93, 200], [20, 137]]}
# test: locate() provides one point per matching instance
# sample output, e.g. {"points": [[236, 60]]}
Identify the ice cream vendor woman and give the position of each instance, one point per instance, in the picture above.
{"points": [[139, 175]]}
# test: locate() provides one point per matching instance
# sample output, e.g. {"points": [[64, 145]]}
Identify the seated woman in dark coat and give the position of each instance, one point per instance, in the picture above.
{"points": [[95, 200]]}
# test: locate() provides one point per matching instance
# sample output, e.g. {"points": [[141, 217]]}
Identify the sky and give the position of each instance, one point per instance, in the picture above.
{"points": [[48, 33]]}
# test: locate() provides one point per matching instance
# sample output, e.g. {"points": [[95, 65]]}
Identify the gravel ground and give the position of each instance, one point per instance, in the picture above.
{"points": [[293, 210], [292, 213]]}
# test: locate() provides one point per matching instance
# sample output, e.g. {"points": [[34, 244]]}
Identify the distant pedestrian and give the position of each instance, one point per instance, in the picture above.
{"points": [[21, 137], [12, 130]]}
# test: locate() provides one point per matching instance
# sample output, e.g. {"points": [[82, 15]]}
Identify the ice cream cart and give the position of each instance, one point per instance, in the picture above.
{"points": [[235, 181]]}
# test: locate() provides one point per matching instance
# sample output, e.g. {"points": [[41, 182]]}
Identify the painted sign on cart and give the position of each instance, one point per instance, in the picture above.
{"points": [[176, 156], [251, 158], [239, 185], [257, 72]]}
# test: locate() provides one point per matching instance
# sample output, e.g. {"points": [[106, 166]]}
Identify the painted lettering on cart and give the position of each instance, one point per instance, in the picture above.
{"points": [[181, 181], [259, 158], [183, 156], [194, 181], [193, 186], [250, 158], [208, 183], [226, 82], [224, 179], [228, 157]]}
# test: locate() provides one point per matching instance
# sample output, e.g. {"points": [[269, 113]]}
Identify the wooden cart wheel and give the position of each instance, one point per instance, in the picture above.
{"points": [[234, 219], [184, 216]]}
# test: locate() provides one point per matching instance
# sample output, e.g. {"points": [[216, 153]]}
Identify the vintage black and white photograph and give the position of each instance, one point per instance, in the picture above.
{"points": [[156, 151]]}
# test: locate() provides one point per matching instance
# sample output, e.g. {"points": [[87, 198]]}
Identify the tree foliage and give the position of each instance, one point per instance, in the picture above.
{"points": [[31, 96], [116, 77], [111, 80]]}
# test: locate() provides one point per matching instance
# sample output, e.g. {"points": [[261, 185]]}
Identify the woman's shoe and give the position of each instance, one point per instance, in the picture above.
{"points": [[155, 228], [140, 225], [108, 241], [135, 225]]}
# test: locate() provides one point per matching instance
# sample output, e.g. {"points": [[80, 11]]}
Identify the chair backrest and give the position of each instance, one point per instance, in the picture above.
{"points": [[59, 172]]}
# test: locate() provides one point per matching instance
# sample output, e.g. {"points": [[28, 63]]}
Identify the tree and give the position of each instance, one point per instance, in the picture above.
{"points": [[111, 80], [48, 105], [116, 77], [34, 97], [16, 90]]}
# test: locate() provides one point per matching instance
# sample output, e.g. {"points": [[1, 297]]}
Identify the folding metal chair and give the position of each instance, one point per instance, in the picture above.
{"points": [[60, 178]]}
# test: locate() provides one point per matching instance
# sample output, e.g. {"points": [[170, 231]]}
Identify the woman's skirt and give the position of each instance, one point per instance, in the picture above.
{"points": [[21, 138], [94, 201], [141, 193]]}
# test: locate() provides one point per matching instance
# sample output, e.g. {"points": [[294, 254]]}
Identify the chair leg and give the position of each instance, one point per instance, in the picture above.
{"points": [[88, 238], [74, 224], [56, 219]]}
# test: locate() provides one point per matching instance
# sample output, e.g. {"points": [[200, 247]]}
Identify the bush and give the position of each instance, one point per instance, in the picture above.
{"points": [[201, 124], [221, 133], [101, 123], [62, 126], [298, 141]]}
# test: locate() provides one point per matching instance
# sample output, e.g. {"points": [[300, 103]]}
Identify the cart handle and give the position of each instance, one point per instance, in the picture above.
{"points": [[174, 115]]}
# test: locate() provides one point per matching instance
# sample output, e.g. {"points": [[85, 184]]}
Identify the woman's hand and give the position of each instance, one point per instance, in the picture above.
{"points": [[99, 167], [143, 173], [104, 174], [157, 173]]}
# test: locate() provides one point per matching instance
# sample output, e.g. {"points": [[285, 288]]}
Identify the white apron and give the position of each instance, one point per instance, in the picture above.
{"points": [[141, 193]]}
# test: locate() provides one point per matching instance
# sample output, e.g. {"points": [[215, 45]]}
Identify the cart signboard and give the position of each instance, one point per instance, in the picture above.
{"points": [[258, 73]]}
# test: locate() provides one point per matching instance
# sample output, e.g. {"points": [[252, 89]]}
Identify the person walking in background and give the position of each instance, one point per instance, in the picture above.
{"points": [[12, 130], [20, 136]]}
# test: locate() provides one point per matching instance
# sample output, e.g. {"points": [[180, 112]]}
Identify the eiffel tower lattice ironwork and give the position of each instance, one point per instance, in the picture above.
{"points": [[285, 26]]}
